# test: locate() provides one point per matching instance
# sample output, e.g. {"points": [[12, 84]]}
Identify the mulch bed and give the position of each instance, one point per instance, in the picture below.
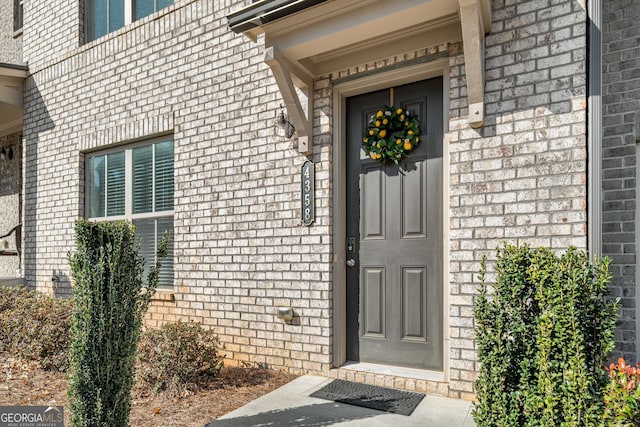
{"points": [[23, 383]]}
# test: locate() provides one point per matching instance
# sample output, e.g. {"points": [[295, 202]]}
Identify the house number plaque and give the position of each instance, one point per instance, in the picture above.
{"points": [[307, 193]]}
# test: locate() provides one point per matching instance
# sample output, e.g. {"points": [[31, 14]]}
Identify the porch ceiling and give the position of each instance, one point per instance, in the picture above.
{"points": [[11, 97]]}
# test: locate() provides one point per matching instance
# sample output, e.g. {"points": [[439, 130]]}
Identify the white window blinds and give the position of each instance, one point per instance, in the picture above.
{"points": [[136, 183]]}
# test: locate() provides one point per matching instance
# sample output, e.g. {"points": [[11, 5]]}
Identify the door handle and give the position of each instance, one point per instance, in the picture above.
{"points": [[351, 262]]}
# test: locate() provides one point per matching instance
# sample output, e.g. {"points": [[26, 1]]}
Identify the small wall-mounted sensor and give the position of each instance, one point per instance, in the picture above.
{"points": [[285, 313]]}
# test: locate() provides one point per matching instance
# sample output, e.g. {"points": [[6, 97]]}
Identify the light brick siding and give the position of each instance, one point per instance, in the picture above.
{"points": [[240, 250], [10, 46], [10, 180], [522, 177], [10, 176]]}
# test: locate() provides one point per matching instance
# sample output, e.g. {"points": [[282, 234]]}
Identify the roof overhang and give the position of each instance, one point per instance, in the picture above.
{"points": [[262, 12], [310, 38], [12, 79]]}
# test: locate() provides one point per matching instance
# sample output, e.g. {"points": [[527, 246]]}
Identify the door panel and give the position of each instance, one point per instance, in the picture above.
{"points": [[374, 302], [414, 287], [414, 200], [394, 214], [373, 214]]}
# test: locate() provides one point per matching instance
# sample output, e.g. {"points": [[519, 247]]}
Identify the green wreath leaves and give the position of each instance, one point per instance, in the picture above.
{"points": [[391, 134]]}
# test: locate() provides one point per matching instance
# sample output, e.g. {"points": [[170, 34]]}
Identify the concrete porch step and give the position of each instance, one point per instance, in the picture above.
{"points": [[290, 405]]}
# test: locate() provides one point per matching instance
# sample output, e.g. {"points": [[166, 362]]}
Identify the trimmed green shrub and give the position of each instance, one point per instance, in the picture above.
{"points": [[622, 398], [35, 326], [178, 357], [543, 336], [111, 298]]}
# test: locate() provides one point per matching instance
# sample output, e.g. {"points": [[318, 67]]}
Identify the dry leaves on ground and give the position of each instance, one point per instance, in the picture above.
{"points": [[23, 383]]}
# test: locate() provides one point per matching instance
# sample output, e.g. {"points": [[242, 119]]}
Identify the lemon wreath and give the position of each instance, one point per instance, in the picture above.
{"points": [[391, 134]]}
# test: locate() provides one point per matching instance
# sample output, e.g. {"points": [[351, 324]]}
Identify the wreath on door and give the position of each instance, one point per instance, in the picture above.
{"points": [[392, 133]]}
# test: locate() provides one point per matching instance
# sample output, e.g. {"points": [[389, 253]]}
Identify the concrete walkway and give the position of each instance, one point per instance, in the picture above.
{"points": [[290, 405]]}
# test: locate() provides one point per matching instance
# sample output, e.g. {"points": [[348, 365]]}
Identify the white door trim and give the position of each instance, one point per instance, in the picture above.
{"points": [[341, 91]]}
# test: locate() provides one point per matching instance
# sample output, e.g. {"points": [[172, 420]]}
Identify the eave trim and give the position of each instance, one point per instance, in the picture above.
{"points": [[13, 70], [266, 11]]}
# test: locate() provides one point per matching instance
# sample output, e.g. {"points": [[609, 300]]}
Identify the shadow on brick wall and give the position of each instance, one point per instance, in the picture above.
{"points": [[60, 283], [36, 121]]}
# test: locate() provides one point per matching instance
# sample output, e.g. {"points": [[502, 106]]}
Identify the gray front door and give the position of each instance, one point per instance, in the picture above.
{"points": [[394, 235]]}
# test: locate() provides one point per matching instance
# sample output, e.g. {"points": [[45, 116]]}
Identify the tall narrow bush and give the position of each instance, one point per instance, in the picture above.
{"points": [[544, 330], [111, 298]]}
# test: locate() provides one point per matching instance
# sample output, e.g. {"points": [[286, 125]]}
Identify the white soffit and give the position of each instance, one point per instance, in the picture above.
{"points": [[331, 35], [341, 33], [11, 98]]}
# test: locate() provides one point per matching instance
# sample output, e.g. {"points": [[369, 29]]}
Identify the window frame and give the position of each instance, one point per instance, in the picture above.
{"points": [[129, 17], [18, 16], [128, 215]]}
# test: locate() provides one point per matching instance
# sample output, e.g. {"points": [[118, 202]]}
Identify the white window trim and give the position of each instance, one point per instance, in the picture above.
{"points": [[128, 215], [128, 171], [129, 8], [128, 12], [18, 17]]}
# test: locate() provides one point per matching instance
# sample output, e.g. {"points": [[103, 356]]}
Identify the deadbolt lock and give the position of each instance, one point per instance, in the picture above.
{"points": [[351, 245]]}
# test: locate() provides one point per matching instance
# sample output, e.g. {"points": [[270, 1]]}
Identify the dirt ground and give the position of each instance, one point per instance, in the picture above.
{"points": [[22, 383]]}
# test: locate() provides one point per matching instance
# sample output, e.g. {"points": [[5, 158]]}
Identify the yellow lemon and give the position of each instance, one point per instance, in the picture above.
{"points": [[385, 121], [402, 117], [372, 132], [417, 139], [398, 141], [382, 133], [379, 114], [378, 123], [372, 155], [407, 146], [365, 140], [379, 156], [410, 132], [399, 111], [378, 145]]}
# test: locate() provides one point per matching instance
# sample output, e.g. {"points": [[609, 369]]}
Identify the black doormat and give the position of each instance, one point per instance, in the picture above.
{"points": [[370, 396]]}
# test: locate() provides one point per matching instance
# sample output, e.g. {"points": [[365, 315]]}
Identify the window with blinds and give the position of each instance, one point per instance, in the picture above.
{"points": [[135, 183]]}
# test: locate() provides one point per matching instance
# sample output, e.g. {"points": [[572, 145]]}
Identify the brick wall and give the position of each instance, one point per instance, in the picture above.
{"points": [[10, 202], [522, 177], [621, 121], [240, 250], [10, 46], [11, 53], [50, 36]]}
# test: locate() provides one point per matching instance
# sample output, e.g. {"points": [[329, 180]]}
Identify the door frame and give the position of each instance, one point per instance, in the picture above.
{"points": [[341, 91]]}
